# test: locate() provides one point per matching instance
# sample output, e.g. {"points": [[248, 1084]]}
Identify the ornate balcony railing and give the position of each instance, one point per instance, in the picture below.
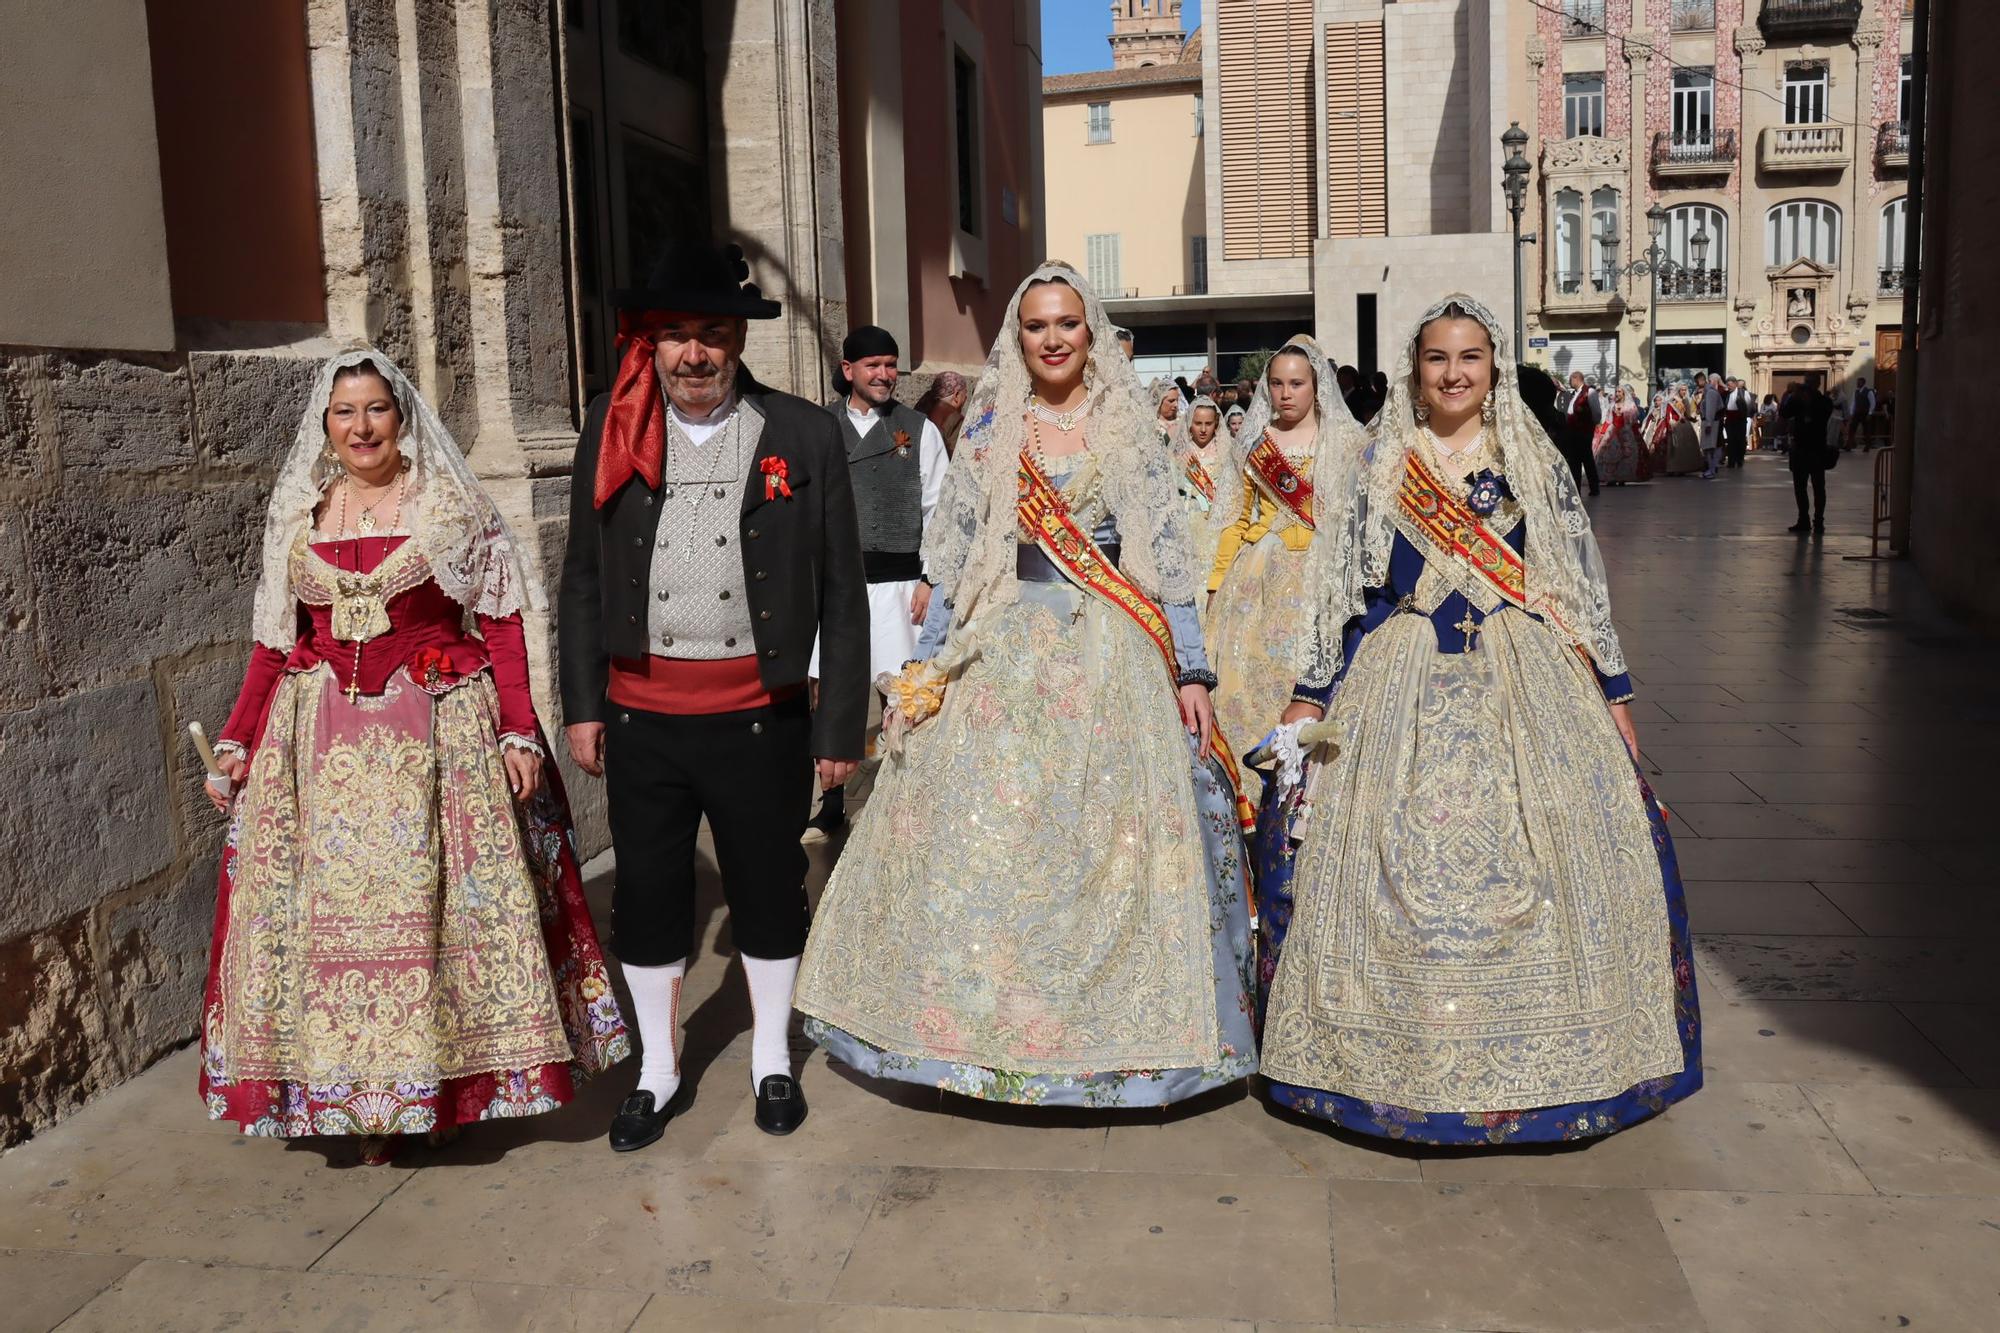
{"points": [[1803, 147], [1889, 282], [1583, 18], [1892, 145], [1694, 154], [1693, 284], [1805, 18], [1694, 15], [1570, 282]]}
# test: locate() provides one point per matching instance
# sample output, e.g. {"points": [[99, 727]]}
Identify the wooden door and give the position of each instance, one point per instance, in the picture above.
{"points": [[1888, 352]]}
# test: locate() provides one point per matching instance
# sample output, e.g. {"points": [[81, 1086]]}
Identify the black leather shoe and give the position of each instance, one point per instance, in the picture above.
{"points": [[638, 1123], [781, 1106], [1800, 528]]}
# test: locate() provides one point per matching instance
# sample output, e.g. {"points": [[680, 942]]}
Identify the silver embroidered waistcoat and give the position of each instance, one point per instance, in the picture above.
{"points": [[697, 608]]}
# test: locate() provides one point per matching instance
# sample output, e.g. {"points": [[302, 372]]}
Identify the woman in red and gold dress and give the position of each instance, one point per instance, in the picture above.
{"points": [[401, 942]]}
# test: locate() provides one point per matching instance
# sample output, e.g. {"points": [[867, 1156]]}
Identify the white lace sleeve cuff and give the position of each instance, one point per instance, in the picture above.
{"points": [[514, 740], [236, 748]]}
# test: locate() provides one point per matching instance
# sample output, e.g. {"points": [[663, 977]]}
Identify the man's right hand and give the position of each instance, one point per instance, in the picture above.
{"points": [[586, 746]]}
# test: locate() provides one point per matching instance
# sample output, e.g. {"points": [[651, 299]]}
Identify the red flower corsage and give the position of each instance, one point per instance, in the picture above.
{"points": [[432, 670], [902, 438], [775, 471]]}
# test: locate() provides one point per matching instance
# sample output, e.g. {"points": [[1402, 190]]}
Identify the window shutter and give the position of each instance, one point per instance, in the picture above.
{"points": [[1264, 76], [1357, 202]]}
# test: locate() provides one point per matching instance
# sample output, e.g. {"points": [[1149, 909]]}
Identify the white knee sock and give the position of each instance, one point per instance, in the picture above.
{"points": [[771, 981], [656, 1006]]}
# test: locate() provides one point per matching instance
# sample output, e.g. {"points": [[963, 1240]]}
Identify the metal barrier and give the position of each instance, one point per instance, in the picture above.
{"points": [[1879, 522]]}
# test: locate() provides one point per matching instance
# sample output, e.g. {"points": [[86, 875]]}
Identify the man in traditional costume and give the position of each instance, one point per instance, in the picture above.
{"points": [[896, 461], [712, 537]]}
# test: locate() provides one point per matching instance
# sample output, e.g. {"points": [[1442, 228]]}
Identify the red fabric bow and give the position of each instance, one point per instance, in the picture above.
{"points": [[775, 471], [635, 425]]}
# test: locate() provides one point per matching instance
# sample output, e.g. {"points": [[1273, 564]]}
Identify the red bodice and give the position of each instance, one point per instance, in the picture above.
{"points": [[425, 633]]}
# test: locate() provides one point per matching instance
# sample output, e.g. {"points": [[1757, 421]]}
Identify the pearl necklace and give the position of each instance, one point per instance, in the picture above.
{"points": [[1062, 421]]}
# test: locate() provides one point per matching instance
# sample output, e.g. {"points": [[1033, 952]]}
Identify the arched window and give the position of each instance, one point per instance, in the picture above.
{"points": [[1889, 250], [1604, 238], [1802, 229], [1695, 241], [1569, 241]]}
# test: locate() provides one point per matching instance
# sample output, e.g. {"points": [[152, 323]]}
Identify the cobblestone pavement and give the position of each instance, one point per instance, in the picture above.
{"points": [[1823, 738]]}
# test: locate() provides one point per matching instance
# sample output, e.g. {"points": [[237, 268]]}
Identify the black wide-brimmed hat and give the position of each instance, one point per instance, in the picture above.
{"points": [[700, 280]]}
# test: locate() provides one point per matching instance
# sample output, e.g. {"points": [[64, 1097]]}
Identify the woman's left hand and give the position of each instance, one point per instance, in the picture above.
{"points": [[1621, 717], [524, 772], [1198, 714]]}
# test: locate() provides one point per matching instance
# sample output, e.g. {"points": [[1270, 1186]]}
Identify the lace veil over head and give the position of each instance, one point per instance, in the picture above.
{"points": [[1184, 428], [1337, 444], [472, 554], [970, 543], [1566, 583]]}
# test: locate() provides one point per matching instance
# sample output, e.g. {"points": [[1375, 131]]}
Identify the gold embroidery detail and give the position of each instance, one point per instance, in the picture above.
{"points": [[1481, 923], [384, 926]]}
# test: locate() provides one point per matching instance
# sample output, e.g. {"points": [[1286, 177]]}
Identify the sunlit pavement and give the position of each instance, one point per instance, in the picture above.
{"points": [[1824, 740]]}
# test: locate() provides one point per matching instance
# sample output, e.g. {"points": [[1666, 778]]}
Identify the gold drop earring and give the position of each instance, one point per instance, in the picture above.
{"points": [[1423, 411]]}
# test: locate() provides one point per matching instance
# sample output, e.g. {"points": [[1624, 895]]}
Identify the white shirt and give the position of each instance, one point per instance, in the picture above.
{"points": [[698, 429]]}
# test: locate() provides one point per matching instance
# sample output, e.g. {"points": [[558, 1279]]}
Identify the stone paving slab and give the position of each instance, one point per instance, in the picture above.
{"points": [[1840, 1170]]}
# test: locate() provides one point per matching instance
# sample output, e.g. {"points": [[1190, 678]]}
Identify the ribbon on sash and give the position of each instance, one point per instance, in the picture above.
{"points": [[1045, 516], [1284, 483]]}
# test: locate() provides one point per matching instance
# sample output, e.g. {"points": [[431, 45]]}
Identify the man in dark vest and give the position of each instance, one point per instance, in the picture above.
{"points": [[711, 538], [896, 460]]}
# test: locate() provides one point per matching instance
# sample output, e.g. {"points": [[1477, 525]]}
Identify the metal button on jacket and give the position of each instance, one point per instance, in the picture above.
{"points": [[638, 541], [631, 620], [770, 652], [721, 540], [729, 643], [663, 594], [756, 728], [723, 595], [763, 615], [624, 717], [752, 534], [649, 499], [759, 576], [666, 641]]}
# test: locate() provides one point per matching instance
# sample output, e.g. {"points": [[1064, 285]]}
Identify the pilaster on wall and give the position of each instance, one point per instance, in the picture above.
{"points": [[778, 192]]}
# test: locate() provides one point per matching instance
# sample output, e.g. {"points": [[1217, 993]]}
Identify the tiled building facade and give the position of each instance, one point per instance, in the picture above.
{"points": [[1773, 133]]}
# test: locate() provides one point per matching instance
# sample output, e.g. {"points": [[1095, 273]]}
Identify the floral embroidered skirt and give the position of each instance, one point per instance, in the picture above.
{"points": [[399, 946], [1253, 631], [1043, 901], [1480, 935]]}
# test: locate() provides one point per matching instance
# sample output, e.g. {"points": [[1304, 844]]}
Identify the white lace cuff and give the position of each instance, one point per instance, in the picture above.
{"points": [[236, 748], [1284, 747], [514, 740]]}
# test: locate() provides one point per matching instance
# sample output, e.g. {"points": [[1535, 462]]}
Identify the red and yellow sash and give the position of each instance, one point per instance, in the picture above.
{"points": [[1197, 475], [1045, 516], [1283, 482], [1450, 526]]}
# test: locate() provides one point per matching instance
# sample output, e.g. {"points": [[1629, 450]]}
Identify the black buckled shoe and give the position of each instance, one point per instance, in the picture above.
{"points": [[638, 1123], [781, 1106]]}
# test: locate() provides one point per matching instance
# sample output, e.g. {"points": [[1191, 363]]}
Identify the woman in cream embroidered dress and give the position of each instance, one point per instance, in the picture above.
{"points": [[1252, 626], [1043, 900], [1201, 450], [1486, 940], [401, 942]]}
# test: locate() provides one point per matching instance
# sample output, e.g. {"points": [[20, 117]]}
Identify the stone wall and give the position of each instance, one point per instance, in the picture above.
{"points": [[133, 499]]}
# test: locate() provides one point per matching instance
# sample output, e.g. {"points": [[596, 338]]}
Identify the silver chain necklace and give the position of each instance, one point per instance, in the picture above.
{"points": [[699, 488]]}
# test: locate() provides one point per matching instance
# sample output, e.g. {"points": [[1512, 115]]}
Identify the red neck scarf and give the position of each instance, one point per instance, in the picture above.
{"points": [[635, 426]]}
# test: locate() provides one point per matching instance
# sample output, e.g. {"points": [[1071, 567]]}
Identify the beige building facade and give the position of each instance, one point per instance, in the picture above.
{"points": [[1774, 136], [461, 186]]}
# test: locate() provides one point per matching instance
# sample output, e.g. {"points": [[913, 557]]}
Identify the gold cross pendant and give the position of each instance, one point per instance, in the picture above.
{"points": [[1470, 629], [354, 690]]}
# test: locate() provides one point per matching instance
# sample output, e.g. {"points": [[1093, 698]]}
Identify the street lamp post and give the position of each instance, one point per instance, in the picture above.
{"points": [[1515, 171], [1655, 266]]}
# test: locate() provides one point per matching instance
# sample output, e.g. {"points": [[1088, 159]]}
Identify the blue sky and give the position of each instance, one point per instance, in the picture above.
{"points": [[1075, 33]]}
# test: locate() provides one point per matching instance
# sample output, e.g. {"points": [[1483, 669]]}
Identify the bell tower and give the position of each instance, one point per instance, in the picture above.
{"points": [[1145, 32]]}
